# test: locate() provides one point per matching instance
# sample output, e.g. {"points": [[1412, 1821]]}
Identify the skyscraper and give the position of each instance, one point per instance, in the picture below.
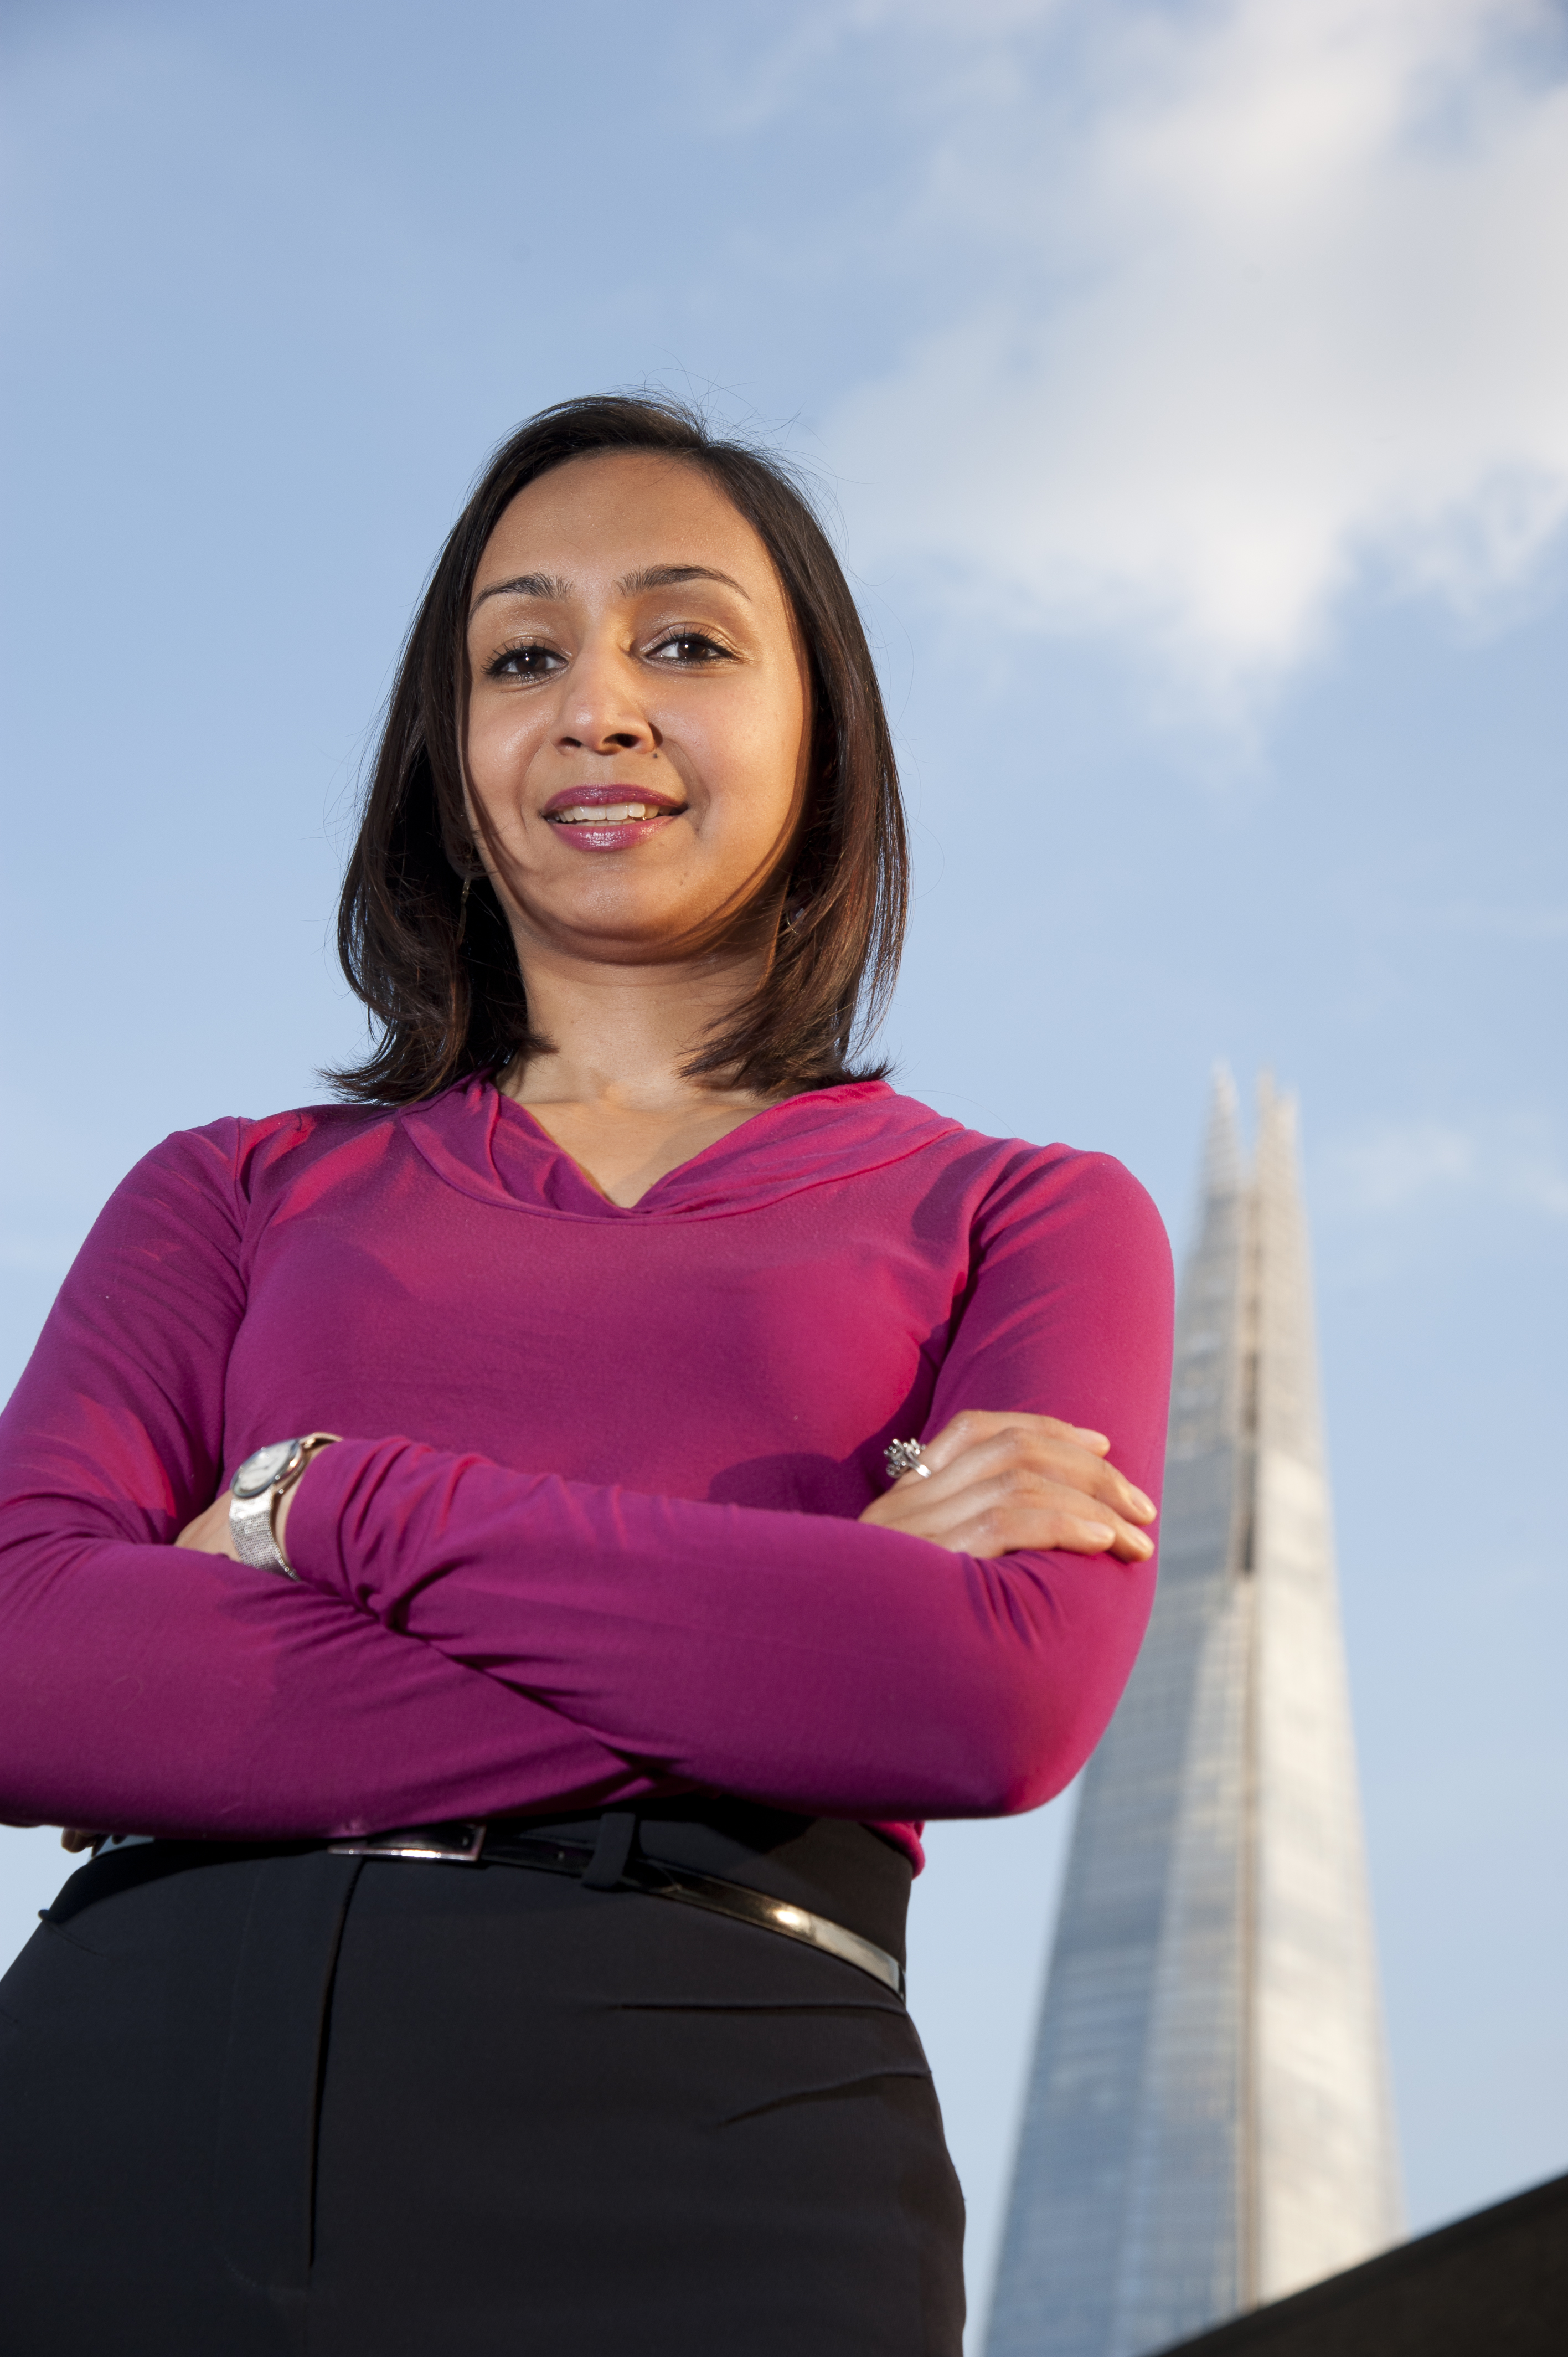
{"points": [[1207, 2123]]}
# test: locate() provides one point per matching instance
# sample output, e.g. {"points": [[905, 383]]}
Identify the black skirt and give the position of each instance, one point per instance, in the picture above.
{"points": [[277, 2099]]}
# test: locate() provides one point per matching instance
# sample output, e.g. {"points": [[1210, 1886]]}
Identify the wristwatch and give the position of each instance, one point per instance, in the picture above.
{"points": [[254, 1495]]}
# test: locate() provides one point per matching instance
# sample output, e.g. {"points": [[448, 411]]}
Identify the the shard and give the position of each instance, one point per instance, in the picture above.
{"points": [[1208, 2123]]}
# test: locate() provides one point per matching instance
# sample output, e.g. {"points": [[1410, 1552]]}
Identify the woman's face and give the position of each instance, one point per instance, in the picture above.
{"points": [[639, 716]]}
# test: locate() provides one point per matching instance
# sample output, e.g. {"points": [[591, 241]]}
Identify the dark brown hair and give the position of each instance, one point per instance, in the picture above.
{"points": [[440, 976]]}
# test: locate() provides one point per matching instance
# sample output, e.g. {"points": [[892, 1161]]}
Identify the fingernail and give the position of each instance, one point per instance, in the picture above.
{"points": [[1144, 1505], [1101, 1531]]}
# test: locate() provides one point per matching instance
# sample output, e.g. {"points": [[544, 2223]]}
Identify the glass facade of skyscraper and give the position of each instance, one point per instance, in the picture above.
{"points": [[1208, 2123]]}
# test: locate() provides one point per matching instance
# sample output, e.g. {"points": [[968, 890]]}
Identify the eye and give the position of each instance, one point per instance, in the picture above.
{"points": [[687, 651], [529, 661]]}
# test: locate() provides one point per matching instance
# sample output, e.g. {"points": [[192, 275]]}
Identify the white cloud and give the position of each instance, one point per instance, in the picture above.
{"points": [[1261, 293], [1391, 1166], [1540, 1185], [1394, 1164]]}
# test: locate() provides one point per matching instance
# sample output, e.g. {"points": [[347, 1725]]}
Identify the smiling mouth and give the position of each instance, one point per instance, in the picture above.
{"points": [[611, 813]]}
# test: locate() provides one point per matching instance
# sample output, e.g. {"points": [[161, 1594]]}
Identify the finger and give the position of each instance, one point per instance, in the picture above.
{"points": [[1015, 1528], [1086, 1536], [980, 1448], [1068, 1456], [973, 1426], [1115, 1490], [1009, 1526], [1008, 1506], [986, 1470], [1107, 1534], [1055, 1450], [1066, 1461], [1053, 1428]]}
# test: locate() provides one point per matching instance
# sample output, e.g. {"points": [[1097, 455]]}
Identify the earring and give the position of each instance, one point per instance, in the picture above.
{"points": [[463, 910]]}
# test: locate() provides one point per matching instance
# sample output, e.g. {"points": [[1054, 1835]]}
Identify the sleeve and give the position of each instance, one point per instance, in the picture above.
{"points": [[148, 1689], [827, 1666]]}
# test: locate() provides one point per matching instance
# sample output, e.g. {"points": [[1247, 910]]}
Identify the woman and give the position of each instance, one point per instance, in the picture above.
{"points": [[500, 1947]]}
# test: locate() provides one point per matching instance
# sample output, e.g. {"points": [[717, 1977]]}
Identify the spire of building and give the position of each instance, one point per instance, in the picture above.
{"points": [[1207, 2123]]}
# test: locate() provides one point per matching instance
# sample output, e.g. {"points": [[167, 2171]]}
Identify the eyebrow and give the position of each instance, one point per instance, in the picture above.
{"points": [[650, 577]]}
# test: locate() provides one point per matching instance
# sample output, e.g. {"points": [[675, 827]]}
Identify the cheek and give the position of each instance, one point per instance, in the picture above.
{"points": [[751, 754], [501, 745]]}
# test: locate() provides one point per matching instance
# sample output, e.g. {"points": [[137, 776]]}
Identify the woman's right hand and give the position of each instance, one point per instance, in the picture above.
{"points": [[1000, 1482]]}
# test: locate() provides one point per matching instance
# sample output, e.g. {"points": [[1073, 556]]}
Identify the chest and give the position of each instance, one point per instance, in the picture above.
{"points": [[760, 1358]]}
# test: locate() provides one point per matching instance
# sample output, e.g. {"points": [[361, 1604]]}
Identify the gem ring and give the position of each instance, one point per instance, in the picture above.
{"points": [[905, 1456]]}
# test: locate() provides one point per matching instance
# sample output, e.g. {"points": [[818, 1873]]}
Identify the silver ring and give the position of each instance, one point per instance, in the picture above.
{"points": [[905, 1456]]}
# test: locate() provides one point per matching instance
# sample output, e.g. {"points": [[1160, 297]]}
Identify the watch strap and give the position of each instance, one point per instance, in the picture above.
{"points": [[252, 1522], [251, 1528]]}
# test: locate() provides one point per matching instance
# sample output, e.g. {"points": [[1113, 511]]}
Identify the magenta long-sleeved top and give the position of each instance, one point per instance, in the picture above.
{"points": [[592, 1534]]}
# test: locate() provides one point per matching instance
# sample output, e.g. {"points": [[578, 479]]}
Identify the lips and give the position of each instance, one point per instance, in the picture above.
{"points": [[609, 806], [609, 817]]}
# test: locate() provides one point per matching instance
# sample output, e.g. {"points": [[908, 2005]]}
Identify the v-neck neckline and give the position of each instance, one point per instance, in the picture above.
{"points": [[587, 1175], [495, 1150]]}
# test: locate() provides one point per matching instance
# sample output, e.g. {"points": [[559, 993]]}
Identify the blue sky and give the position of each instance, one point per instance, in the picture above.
{"points": [[1190, 386]]}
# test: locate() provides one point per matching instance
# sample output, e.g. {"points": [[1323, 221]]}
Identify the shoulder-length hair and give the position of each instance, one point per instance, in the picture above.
{"points": [[436, 965]]}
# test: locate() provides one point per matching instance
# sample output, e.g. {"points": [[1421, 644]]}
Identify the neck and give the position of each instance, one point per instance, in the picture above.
{"points": [[619, 1035]]}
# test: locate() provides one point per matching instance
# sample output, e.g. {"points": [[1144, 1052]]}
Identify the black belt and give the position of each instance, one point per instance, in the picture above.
{"points": [[605, 1862]]}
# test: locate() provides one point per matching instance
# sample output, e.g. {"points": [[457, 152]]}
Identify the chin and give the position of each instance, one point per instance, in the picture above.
{"points": [[638, 922]]}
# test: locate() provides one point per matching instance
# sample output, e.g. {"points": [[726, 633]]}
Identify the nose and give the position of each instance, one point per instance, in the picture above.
{"points": [[603, 709]]}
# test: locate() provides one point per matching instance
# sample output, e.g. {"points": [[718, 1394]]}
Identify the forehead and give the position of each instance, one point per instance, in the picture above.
{"points": [[601, 517]]}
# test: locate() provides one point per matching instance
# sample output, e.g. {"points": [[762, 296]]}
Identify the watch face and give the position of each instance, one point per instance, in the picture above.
{"points": [[260, 1472]]}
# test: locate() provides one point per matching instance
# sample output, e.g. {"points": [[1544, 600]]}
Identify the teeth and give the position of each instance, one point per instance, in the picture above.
{"points": [[603, 813]]}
